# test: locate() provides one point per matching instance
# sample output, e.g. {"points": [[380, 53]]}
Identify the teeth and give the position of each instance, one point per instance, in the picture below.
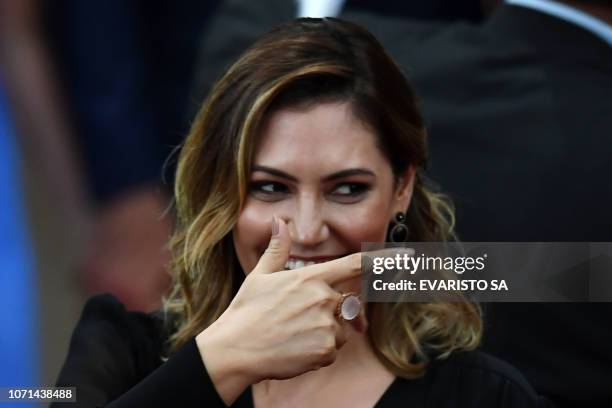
{"points": [[297, 263]]}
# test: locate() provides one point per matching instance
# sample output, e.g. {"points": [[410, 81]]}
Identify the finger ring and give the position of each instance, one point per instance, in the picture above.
{"points": [[349, 306]]}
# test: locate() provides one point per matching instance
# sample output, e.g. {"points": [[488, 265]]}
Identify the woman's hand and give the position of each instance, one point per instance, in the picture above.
{"points": [[280, 324]]}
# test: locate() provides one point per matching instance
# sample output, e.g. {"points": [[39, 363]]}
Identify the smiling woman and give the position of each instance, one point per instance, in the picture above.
{"points": [[331, 206], [310, 145]]}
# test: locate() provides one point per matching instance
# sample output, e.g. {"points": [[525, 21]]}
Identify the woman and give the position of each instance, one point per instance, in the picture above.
{"points": [[307, 147]]}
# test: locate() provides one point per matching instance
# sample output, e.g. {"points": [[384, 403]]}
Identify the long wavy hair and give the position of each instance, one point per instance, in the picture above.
{"points": [[296, 65]]}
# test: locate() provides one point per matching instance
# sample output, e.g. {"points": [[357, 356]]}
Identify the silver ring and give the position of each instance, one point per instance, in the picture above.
{"points": [[349, 306]]}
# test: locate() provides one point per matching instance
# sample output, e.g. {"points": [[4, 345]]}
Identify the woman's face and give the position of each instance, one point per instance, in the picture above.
{"points": [[320, 171]]}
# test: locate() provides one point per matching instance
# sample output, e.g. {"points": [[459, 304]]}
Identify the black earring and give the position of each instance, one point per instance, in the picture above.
{"points": [[399, 232]]}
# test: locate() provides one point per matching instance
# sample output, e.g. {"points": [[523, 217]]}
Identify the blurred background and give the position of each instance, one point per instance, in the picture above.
{"points": [[93, 98], [96, 95]]}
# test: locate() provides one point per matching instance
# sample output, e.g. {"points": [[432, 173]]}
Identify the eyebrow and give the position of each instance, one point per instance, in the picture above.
{"points": [[358, 171]]}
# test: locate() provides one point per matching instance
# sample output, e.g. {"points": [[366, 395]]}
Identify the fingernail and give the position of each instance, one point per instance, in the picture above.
{"points": [[274, 226]]}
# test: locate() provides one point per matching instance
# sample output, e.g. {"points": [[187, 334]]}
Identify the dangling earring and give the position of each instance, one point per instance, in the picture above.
{"points": [[399, 232]]}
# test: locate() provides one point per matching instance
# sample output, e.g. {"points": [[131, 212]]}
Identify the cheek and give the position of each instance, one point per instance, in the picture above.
{"points": [[367, 223], [364, 223], [251, 235]]}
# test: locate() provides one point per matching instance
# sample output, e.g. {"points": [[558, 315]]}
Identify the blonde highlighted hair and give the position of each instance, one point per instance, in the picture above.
{"points": [[297, 65]]}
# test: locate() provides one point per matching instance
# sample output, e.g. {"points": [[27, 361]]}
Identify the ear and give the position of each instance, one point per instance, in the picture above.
{"points": [[404, 190]]}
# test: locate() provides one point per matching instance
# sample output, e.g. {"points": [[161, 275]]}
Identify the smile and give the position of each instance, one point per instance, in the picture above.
{"points": [[294, 263], [297, 263]]}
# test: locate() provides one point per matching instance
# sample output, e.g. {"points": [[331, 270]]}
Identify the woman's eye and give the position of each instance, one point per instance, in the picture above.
{"points": [[349, 191], [268, 190]]}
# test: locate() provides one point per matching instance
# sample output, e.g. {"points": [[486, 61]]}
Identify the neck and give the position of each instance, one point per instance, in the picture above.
{"points": [[600, 11]]}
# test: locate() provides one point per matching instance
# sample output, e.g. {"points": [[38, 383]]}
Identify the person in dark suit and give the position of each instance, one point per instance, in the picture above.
{"points": [[237, 23], [519, 117]]}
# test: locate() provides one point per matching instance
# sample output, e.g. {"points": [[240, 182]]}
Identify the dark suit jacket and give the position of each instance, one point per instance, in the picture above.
{"points": [[237, 23], [519, 115], [520, 120]]}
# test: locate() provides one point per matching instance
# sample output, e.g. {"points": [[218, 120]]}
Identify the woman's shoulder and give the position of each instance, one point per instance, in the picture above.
{"points": [[104, 318], [481, 379], [471, 379], [111, 348], [115, 359], [481, 362]]}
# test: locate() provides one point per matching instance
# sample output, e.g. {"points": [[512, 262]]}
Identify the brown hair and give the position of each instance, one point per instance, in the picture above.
{"points": [[296, 65]]}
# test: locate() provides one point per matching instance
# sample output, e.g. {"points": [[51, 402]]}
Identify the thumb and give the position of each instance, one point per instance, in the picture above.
{"points": [[277, 253]]}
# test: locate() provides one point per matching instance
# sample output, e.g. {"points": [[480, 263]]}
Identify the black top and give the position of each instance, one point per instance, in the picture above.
{"points": [[115, 360]]}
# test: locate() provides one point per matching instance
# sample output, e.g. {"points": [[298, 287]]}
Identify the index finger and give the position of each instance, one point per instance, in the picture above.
{"points": [[337, 270], [351, 266]]}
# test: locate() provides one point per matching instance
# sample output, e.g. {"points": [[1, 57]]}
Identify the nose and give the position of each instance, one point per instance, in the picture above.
{"points": [[306, 223]]}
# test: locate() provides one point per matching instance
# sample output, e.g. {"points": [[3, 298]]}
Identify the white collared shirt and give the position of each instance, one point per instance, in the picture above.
{"points": [[319, 8]]}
